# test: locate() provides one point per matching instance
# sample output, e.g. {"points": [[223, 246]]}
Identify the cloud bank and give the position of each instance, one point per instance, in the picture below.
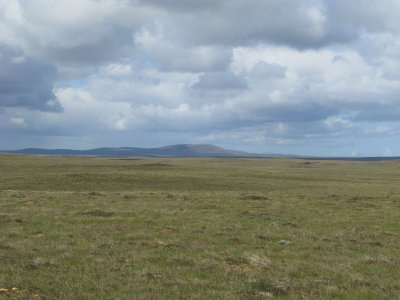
{"points": [[315, 77]]}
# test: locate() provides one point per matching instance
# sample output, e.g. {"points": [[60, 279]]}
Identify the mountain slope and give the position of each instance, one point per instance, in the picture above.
{"points": [[184, 150]]}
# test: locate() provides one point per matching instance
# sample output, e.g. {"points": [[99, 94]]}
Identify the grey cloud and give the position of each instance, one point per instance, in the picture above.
{"points": [[268, 111], [103, 31], [365, 15], [193, 60], [340, 58], [391, 70], [186, 5], [115, 44], [220, 81], [25, 82], [379, 114], [263, 70], [299, 24], [286, 70], [81, 33], [174, 58]]}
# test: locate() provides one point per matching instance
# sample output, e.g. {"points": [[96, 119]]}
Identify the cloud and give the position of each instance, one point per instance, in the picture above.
{"points": [[173, 57], [236, 22], [220, 81], [265, 71], [117, 70], [20, 122], [278, 73], [299, 24], [84, 32], [25, 82]]}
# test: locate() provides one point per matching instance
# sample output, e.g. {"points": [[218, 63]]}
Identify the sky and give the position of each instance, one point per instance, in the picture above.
{"points": [[308, 77]]}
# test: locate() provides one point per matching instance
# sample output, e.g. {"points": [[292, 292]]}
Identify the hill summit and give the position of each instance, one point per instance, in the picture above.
{"points": [[182, 150]]}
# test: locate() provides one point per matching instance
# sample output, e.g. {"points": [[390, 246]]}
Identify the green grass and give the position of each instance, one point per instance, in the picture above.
{"points": [[164, 228]]}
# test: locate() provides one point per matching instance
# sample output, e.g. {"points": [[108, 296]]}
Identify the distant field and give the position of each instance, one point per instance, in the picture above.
{"points": [[160, 228]]}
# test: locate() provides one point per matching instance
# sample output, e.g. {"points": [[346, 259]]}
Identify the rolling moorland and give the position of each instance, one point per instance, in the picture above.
{"points": [[198, 228], [183, 150]]}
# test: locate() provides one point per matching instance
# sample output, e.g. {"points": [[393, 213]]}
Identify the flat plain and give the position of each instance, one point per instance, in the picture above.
{"points": [[200, 228]]}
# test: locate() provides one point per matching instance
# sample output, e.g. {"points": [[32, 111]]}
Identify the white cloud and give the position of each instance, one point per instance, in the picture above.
{"points": [[220, 81], [117, 70], [120, 124], [380, 130], [277, 72], [20, 122], [169, 56]]}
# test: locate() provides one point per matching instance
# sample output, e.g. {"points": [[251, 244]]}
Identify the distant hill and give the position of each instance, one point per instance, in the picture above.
{"points": [[184, 150]]}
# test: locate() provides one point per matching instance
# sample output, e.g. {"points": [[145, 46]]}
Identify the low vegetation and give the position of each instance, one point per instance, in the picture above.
{"points": [[165, 228]]}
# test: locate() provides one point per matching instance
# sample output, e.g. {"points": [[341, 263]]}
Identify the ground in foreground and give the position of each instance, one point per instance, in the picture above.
{"points": [[163, 228]]}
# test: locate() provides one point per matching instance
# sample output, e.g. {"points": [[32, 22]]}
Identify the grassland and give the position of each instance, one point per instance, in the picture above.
{"points": [[164, 228]]}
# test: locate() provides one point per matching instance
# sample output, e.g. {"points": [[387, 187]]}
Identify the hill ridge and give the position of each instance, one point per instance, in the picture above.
{"points": [[178, 150]]}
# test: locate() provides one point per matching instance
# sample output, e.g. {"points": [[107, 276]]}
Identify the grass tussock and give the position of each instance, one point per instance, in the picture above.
{"points": [[98, 213]]}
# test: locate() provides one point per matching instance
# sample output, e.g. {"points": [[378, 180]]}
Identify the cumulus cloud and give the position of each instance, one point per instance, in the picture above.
{"points": [[265, 71], [25, 82], [281, 73], [220, 81], [236, 22], [299, 24], [83, 32], [169, 56]]}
